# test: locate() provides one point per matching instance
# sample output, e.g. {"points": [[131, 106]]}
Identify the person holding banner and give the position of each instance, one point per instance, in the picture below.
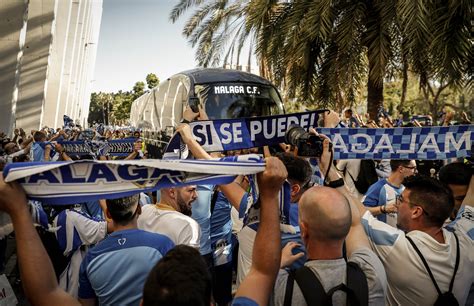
{"points": [[41, 150], [299, 178], [167, 284], [38, 276], [327, 221]]}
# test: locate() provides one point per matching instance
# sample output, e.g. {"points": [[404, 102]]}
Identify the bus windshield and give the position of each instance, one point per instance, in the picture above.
{"points": [[237, 100]]}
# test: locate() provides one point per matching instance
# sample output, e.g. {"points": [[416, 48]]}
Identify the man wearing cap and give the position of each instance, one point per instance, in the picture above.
{"points": [[115, 270]]}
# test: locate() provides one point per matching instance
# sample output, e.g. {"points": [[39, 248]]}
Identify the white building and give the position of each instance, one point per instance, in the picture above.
{"points": [[47, 57]]}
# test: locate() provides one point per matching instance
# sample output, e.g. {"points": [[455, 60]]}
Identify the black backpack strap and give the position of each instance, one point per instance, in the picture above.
{"points": [[311, 287], [357, 283], [289, 288], [215, 193], [428, 268], [456, 265]]}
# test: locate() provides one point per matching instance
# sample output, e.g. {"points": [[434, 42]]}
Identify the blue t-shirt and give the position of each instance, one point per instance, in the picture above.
{"points": [[201, 212], [381, 193], [37, 150], [115, 270], [243, 301], [294, 215], [221, 231], [93, 209]]}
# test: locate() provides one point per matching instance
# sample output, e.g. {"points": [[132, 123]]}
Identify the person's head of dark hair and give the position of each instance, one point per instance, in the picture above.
{"points": [[298, 168], [123, 210], [395, 163], [39, 136], [433, 196], [5, 141], [456, 174], [180, 278], [349, 111]]}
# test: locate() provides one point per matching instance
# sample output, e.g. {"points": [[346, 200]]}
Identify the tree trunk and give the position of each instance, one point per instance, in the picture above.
{"points": [[374, 95], [404, 85]]}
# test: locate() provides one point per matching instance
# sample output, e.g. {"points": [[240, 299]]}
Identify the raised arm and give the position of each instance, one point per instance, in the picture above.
{"points": [[258, 284], [469, 198], [36, 270], [233, 192], [357, 237]]}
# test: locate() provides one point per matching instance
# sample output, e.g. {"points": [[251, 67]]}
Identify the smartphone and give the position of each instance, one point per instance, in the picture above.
{"points": [[194, 104]]}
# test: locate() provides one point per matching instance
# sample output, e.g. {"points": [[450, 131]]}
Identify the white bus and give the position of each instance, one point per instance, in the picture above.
{"points": [[223, 93]]}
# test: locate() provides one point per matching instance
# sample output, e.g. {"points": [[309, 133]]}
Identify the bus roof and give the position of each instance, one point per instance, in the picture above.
{"points": [[217, 75]]}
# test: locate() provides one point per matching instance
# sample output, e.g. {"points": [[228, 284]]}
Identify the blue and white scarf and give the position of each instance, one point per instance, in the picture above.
{"points": [[79, 181], [433, 142]]}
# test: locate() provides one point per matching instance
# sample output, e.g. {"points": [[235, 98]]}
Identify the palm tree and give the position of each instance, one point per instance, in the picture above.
{"points": [[322, 51]]}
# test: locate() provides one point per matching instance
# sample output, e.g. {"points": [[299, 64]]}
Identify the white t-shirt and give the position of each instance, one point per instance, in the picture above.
{"points": [[464, 221], [163, 219], [352, 167], [246, 240], [408, 280]]}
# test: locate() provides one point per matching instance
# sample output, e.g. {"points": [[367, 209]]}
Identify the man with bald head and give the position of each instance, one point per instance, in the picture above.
{"points": [[326, 221], [326, 214]]}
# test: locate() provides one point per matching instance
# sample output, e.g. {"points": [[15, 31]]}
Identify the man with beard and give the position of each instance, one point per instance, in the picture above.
{"points": [[171, 216]]}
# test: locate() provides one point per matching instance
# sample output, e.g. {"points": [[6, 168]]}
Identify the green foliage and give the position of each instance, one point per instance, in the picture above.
{"points": [[152, 80], [114, 108], [327, 52]]}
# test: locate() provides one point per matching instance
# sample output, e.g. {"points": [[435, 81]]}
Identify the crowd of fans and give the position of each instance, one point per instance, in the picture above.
{"points": [[370, 232], [445, 117]]}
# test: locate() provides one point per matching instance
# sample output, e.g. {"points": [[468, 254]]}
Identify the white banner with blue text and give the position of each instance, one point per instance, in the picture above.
{"points": [[73, 182], [430, 142]]}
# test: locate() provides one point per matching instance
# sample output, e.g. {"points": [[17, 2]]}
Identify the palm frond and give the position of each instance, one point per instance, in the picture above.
{"points": [[182, 6]]}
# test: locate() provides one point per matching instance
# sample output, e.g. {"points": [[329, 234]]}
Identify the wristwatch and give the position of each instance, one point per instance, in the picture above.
{"points": [[185, 121]]}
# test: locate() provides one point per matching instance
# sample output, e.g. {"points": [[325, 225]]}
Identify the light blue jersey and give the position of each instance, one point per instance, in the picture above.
{"points": [[243, 301], [381, 193], [201, 212], [221, 231], [115, 270]]}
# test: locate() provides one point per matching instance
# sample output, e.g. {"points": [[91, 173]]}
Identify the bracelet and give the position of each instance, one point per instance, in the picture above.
{"points": [[382, 209], [185, 121], [335, 184]]}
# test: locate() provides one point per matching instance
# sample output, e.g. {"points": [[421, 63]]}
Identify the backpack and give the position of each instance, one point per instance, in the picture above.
{"points": [[446, 298], [366, 177], [356, 289]]}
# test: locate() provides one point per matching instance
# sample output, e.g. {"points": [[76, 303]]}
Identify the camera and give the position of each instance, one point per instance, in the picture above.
{"points": [[307, 144]]}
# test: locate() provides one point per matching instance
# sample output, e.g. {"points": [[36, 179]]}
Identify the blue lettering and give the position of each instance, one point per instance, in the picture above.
{"points": [[45, 176], [136, 173], [199, 134], [101, 171], [67, 176], [209, 134]]}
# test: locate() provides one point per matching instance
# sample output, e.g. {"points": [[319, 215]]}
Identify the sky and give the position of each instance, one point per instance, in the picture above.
{"points": [[136, 38]]}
